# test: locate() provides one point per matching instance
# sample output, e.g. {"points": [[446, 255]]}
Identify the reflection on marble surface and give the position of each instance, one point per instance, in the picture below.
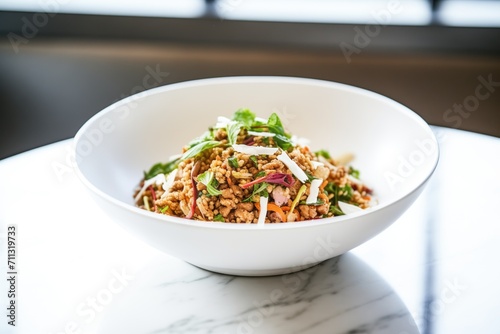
{"points": [[341, 295]]}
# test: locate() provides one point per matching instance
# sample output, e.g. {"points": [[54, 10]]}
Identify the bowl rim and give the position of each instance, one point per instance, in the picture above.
{"points": [[157, 218]]}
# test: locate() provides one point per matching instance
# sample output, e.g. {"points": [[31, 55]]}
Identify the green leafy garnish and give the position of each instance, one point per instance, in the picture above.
{"points": [[329, 188], [258, 189], [345, 193], [281, 138], [161, 168], [164, 209], [323, 153], [336, 210], [218, 218], [260, 174], [354, 172], [245, 117], [207, 178], [199, 148], [253, 158], [233, 162], [233, 129], [310, 177]]}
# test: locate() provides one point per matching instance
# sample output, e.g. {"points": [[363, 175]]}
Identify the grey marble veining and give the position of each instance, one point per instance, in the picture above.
{"points": [[70, 258], [341, 295]]}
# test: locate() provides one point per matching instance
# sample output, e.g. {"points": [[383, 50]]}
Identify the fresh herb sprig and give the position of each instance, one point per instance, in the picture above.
{"points": [[161, 168], [207, 178], [258, 189], [242, 119]]}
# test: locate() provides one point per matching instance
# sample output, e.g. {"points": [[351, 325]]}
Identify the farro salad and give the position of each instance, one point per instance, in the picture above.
{"points": [[251, 170]]}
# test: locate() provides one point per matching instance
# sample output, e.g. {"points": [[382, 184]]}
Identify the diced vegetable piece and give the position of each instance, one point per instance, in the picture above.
{"points": [[301, 192]]}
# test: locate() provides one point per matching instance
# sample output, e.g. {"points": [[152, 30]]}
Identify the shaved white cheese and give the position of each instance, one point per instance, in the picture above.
{"points": [[348, 208], [158, 179], [254, 150], [292, 165], [222, 122], [260, 119], [314, 191], [263, 210], [169, 182], [261, 134], [316, 164]]}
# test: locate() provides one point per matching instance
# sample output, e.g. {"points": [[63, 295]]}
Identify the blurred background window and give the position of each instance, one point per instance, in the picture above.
{"points": [[478, 13], [155, 8], [61, 61], [406, 12], [466, 13]]}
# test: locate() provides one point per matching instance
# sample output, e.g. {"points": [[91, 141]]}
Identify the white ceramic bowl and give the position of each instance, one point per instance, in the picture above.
{"points": [[395, 151]]}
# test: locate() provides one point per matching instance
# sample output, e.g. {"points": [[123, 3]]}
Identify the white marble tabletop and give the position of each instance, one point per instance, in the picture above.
{"points": [[436, 270]]}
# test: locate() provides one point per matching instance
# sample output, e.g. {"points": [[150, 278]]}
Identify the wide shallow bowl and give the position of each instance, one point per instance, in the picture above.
{"points": [[394, 149]]}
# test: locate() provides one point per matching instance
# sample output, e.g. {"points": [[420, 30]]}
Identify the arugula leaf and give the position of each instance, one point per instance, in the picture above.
{"points": [[281, 138], [275, 126], [346, 193], [336, 210], [275, 122], [310, 177], [161, 168], [323, 153], [343, 194], [260, 188], [199, 148], [354, 172], [245, 117], [260, 174], [283, 142], [233, 162], [207, 178], [233, 129], [218, 218], [253, 158], [329, 188]]}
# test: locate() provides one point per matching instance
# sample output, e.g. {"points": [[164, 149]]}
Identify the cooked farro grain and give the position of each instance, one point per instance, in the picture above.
{"points": [[228, 172]]}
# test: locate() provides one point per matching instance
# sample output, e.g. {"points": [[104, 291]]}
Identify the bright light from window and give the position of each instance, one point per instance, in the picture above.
{"points": [[478, 13], [158, 8], [392, 12]]}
